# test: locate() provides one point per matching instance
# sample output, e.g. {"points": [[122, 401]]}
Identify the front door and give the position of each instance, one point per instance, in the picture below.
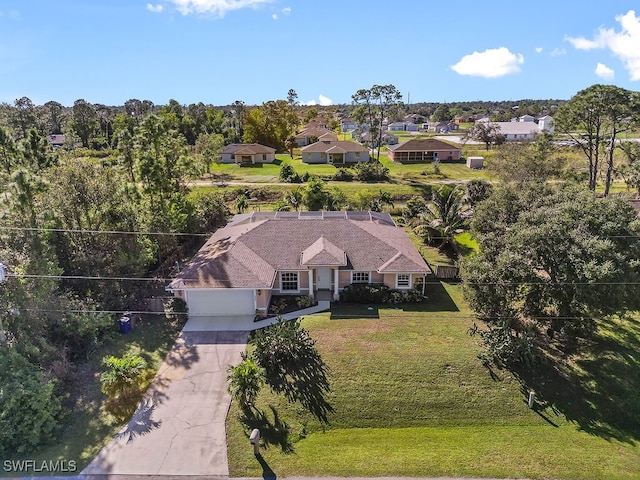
{"points": [[323, 278]]}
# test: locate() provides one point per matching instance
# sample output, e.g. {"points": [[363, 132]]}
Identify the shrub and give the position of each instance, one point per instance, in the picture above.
{"points": [[244, 382], [371, 171], [29, 407], [305, 301], [343, 175], [379, 293], [124, 376], [288, 174]]}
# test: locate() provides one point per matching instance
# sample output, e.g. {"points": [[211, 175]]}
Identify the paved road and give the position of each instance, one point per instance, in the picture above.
{"points": [[179, 428]]}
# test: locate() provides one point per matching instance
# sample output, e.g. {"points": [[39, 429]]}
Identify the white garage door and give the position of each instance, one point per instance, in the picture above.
{"points": [[221, 302]]}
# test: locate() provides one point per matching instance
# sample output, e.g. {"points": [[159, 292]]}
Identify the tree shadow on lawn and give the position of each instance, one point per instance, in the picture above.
{"points": [[599, 392], [274, 432]]}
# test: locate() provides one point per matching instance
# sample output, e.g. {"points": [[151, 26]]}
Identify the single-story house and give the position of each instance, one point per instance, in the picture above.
{"points": [[443, 127], [347, 125], [312, 134], [387, 138], [523, 130], [318, 254], [248, 153], [403, 126], [424, 150], [328, 150]]}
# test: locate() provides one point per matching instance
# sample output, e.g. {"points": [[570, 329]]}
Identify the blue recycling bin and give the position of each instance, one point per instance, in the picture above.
{"points": [[125, 324]]}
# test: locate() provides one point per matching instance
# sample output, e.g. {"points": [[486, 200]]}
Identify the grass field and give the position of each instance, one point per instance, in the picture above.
{"points": [[411, 398]]}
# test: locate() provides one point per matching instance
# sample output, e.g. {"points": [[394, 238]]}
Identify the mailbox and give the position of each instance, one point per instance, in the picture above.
{"points": [[254, 438]]}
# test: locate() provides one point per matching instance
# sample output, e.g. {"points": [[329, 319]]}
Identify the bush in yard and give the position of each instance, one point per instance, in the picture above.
{"points": [[305, 301], [124, 376], [343, 175], [244, 382], [371, 171], [29, 406], [288, 174]]}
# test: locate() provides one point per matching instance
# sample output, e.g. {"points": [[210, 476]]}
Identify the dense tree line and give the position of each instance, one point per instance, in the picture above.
{"points": [[62, 267]]}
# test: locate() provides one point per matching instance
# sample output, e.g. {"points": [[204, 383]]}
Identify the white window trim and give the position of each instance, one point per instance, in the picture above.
{"points": [[361, 283], [297, 290], [404, 287]]}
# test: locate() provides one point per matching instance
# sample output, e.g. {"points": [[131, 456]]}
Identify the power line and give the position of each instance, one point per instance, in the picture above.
{"points": [[106, 232], [85, 277]]}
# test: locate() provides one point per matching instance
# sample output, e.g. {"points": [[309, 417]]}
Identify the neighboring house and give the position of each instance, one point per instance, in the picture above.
{"points": [[387, 139], [424, 150], [311, 135], [247, 153], [415, 118], [523, 131], [56, 140], [347, 125], [328, 150], [443, 127], [403, 126], [318, 254], [526, 118]]}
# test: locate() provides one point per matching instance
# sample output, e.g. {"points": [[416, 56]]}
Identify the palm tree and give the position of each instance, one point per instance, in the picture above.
{"points": [[245, 381], [443, 219]]}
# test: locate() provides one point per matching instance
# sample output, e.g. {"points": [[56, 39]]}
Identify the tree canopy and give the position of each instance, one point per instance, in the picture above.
{"points": [[551, 259]]}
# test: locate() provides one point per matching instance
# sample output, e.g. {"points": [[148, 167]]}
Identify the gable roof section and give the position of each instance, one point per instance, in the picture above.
{"points": [[423, 145], [323, 252], [339, 146], [247, 149], [248, 255]]}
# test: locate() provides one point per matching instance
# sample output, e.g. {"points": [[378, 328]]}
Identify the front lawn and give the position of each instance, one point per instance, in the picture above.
{"points": [[411, 398]]}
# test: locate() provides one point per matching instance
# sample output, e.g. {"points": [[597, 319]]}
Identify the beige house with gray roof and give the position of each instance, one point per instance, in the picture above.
{"points": [[318, 254], [328, 150], [248, 153]]}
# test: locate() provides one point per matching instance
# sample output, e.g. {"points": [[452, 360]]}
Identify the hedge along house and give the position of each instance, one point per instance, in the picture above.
{"points": [[318, 254], [424, 151]]}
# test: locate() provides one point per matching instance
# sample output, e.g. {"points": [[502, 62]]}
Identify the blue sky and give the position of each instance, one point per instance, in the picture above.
{"points": [[219, 51]]}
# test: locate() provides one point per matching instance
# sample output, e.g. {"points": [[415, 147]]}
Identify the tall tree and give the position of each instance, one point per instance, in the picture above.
{"points": [[594, 118], [271, 124], [372, 106], [551, 259], [485, 132], [84, 121]]}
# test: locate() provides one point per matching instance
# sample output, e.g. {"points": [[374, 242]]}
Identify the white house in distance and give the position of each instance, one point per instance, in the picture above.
{"points": [[523, 129]]}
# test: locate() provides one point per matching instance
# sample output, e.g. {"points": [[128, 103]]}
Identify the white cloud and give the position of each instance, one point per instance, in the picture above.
{"points": [[155, 8], [286, 10], [492, 63], [624, 44], [274, 16], [558, 52], [217, 8], [322, 100], [539, 49], [604, 72]]}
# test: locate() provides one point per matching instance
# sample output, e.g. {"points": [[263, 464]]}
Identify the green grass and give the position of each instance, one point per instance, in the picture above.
{"points": [[411, 398], [88, 427]]}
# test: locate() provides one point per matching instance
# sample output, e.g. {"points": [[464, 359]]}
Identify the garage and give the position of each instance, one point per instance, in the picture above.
{"points": [[221, 302]]}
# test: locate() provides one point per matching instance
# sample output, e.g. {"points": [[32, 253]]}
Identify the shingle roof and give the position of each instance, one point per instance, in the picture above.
{"points": [[248, 255], [324, 146], [423, 145], [247, 149]]}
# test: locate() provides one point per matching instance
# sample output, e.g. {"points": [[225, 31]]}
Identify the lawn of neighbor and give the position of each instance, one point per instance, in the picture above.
{"points": [[411, 398]]}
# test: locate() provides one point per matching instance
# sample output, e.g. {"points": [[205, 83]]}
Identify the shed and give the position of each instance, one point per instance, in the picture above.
{"points": [[475, 162]]}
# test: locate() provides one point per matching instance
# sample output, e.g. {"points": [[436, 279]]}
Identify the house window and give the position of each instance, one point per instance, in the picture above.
{"points": [[264, 157], [233, 157], [357, 154], [289, 282], [359, 277], [403, 280], [323, 155]]}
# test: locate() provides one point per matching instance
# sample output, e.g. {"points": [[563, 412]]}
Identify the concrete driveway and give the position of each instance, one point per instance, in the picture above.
{"points": [[179, 428]]}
